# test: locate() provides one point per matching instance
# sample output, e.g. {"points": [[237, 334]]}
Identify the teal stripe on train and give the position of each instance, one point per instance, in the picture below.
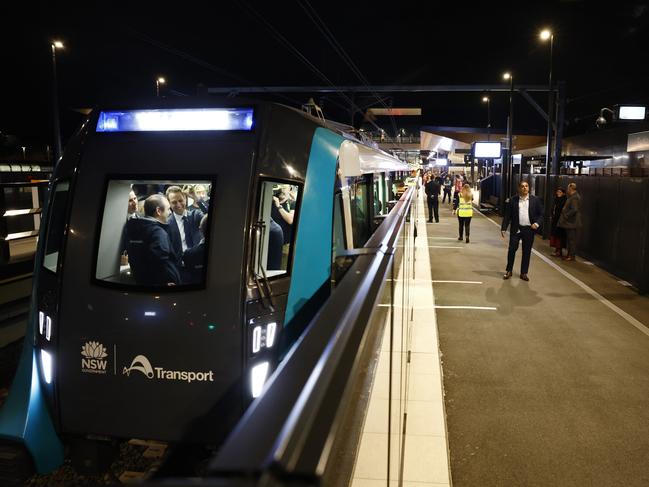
{"points": [[312, 256]]}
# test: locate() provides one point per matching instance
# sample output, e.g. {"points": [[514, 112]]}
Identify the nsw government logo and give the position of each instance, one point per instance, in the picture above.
{"points": [[94, 358]]}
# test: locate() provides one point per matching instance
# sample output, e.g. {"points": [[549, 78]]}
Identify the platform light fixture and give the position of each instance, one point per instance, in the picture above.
{"points": [[545, 34], [160, 80], [507, 75]]}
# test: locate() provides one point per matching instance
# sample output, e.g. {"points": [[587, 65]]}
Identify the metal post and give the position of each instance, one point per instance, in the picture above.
{"points": [[55, 109], [558, 138], [547, 191], [488, 118], [511, 137]]}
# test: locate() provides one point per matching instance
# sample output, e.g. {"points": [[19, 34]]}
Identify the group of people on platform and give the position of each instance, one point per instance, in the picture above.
{"points": [[165, 244], [462, 203], [523, 216]]}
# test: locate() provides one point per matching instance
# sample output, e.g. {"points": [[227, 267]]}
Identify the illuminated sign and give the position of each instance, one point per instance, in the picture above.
{"points": [[487, 150], [630, 112], [176, 120]]}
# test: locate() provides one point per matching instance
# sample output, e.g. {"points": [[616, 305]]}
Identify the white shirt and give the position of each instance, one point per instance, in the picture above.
{"points": [[524, 212], [181, 228]]}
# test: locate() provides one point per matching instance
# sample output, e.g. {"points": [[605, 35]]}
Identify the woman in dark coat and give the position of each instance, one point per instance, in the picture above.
{"points": [[557, 234]]}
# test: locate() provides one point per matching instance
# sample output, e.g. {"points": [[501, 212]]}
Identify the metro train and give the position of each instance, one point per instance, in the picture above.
{"points": [[126, 338]]}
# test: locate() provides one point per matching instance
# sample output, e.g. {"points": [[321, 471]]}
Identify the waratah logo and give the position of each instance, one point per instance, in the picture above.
{"points": [[93, 354], [94, 350]]}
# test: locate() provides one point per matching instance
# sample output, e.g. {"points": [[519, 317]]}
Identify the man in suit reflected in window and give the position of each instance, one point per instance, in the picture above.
{"points": [[524, 215], [183, 223]]}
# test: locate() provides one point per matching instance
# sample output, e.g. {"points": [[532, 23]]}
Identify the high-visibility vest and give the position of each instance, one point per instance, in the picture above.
{"points": [[465, 208]]}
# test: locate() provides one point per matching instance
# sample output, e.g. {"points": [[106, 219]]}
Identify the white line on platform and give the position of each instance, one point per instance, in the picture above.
{"points": [[587, 262], [630, 319], [626, 283], [489, 308], [458, 282]]}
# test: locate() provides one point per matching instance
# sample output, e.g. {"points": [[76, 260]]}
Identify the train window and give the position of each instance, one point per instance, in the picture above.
{"points": [[153, 233], [56, 226], [274, 245], [339, 227], [359, 209]]}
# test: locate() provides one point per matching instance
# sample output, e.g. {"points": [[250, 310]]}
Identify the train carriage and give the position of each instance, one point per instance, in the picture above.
{"points": [[145, 327]]}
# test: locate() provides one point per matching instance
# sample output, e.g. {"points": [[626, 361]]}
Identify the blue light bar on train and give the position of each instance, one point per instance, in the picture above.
{"points": [[176, 120]]}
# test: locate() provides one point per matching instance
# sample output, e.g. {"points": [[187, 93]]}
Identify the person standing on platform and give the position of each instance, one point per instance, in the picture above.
{"points": [[557, 234], [523, 214], [570, 220], [457, 185], [432, 198], [465, 211], [448, 185]]}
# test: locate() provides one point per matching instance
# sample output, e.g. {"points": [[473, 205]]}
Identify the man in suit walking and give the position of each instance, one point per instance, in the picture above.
{"points": [[523, 214], [432, 199], [184, 224]]}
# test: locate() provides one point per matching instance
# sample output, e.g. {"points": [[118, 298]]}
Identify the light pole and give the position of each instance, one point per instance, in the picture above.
{"points": [[159, 81], [510, 129], [487, 100], [55, 102], [546, 35]]}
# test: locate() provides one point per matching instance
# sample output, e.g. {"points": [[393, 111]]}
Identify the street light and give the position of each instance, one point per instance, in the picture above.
{"points": [[507, 185], [159, 81], [55, 101], [487, 100], [547, 35]]}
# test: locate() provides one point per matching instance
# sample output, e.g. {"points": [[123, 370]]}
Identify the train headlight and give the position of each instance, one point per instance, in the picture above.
{"points": [[271, 328], [46, 364], [258, 378], [256, 339], [48, 328], [45, 325], [263, 336]]}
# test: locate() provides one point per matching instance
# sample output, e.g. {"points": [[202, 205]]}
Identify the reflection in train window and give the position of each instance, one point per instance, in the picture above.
{"points": [[360, 211], [153, 233], [275, 228], [56, 226]]}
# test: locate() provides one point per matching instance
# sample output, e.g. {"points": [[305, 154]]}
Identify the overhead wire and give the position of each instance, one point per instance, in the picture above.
{"points": [[340, 50], [284, 41], [200, 62]]}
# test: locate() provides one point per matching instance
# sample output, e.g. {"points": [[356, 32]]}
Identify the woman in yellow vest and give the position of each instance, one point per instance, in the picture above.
{"points": [[465, 211]]}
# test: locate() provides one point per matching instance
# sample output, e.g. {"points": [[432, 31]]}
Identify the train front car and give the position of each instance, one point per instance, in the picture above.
{"points": [[163, 275]]}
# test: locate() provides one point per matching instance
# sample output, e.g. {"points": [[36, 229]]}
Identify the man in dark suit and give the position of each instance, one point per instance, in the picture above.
{"points": [[432, 199], [152, 261], [524, 213], [183, 223], [194, 258]]}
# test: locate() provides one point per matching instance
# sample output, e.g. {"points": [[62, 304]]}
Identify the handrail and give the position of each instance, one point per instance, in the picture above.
{"points": [[285, 432]]}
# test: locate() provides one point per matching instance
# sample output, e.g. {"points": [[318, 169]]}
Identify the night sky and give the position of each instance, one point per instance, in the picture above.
{"points": [[115, 51]]}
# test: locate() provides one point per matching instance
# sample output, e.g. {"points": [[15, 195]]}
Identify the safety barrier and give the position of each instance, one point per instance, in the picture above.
{"points": [[305, 428]]}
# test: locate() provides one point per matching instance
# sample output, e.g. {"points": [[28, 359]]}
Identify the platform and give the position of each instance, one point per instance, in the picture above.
{"points": [[545, 382]]}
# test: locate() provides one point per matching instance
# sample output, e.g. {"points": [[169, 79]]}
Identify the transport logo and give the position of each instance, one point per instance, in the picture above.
{"points": [[143, 365], [94, 358]]}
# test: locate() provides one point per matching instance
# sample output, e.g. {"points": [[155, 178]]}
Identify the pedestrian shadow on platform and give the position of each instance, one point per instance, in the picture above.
{"points": [[512, 294]]}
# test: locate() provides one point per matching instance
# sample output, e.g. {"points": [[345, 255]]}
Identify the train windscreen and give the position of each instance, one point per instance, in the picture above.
{"points": [[153, 233]]}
